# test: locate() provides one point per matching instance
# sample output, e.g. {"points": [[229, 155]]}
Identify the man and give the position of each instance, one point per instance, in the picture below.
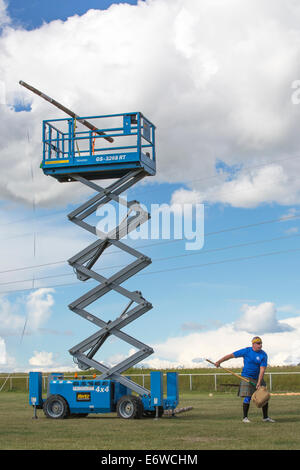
{"points": [[255, 363]]}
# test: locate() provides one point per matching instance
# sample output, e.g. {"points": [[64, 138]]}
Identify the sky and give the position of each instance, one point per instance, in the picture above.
{"points": [[221, 83]]}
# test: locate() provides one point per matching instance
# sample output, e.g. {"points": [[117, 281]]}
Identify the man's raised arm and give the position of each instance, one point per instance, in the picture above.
{"points": [[223, 359]]}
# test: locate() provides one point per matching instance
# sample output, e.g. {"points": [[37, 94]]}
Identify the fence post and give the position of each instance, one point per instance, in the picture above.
{"points": [[270, 382], [191, 382], [215, 382]]}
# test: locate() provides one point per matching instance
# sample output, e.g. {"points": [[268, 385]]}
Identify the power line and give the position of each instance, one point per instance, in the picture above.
{"points": [[224, 261], [241, 245], [248, 169], [179, 268], [42, 231], [32, 267], [230, 229], [29, 218]]}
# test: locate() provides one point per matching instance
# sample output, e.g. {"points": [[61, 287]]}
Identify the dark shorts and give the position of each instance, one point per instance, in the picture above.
{"points": [[246, 389]]}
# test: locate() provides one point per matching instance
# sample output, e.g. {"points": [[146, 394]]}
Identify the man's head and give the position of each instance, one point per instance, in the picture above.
{"points": [[256, 343]]}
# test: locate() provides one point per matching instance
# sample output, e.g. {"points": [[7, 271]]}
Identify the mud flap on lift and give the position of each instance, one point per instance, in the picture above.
{"points": [[157, 391], [156, 384], [35, 389], [172, 390]]}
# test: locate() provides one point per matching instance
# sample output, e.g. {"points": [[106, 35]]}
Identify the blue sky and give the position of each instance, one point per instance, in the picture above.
{"points": [[241, 164], [32, 14]]}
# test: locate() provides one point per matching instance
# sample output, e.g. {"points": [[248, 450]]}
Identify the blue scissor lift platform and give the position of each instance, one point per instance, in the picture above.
{"points": [[120, 147], [124, 142]]}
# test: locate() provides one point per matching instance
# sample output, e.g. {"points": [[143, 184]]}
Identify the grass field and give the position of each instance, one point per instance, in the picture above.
{"points": [[214, 423]]}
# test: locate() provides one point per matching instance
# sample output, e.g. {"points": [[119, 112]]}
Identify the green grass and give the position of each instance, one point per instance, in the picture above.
{"points": [[213, 423]]}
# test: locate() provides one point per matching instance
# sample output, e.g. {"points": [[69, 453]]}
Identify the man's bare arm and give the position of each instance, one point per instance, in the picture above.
{"points": [[223, 359], [261, 376]]}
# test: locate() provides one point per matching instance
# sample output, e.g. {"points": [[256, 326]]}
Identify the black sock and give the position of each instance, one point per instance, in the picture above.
{"points": [[265, 410], [245, 409]]}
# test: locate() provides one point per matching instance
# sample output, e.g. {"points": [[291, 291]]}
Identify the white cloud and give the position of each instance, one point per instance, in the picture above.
{"points": [[38, 306], [41, 358], [192, 326], [3, 357], [224, 96], [291, 212], [14, 321], [247, 190], [281, 345], [260, 319], [4, 18], [280, 341], [38, 241], [9, 363], [11, 321], [289, 309], [184, 196], [55, 367], [292, 230]]}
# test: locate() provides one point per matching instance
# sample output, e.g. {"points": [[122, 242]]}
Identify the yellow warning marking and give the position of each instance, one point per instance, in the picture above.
{"points": [[57, 161]]}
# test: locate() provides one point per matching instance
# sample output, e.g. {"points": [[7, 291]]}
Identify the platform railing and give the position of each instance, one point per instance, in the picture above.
{"points": [[63, 139]]}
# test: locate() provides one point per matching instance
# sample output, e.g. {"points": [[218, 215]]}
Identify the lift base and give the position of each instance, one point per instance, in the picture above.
{"points": [[82, 397]]}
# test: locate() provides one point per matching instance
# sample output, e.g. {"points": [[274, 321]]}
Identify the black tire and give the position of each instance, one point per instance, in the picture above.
{"points": [[140, 405], [130, 407], [56, 407]]}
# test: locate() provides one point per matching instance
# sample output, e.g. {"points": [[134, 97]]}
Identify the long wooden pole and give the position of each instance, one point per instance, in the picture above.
{"points": [[66, 110], [233, 373]]}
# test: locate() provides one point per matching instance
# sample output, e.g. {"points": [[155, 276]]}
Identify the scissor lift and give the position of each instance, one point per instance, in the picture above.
{"points": [[122, 148]]}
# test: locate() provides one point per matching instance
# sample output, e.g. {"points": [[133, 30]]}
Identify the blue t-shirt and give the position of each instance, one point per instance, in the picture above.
{"points": [[253, 360]]}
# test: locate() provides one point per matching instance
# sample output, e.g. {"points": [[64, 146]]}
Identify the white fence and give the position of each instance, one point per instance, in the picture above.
{"points": [[217, 377]]}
